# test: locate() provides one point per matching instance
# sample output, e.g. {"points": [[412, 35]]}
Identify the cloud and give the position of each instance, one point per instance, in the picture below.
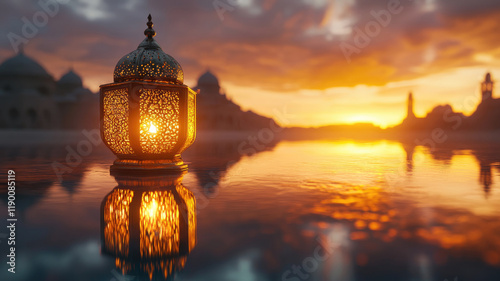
{"points": [[281, 46], [289, 45]]}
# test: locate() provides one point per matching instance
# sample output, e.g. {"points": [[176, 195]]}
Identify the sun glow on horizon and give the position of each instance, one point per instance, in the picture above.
{"points": [[360, 118], [383, 106]]}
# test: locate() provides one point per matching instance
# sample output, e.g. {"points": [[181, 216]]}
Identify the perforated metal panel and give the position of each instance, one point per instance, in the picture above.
{"points": [[148, 65], [159, 120], [115, 127], [191, 127]]}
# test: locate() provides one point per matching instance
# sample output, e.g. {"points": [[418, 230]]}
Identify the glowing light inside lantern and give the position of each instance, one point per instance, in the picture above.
{"points": [[152, 128]]}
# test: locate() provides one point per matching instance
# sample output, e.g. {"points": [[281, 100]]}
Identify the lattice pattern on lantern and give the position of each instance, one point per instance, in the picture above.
{"points": [[159, 120], [142, 64], [188, 197], [116, 221], [159, 215], [191, 127], [115, 125]]}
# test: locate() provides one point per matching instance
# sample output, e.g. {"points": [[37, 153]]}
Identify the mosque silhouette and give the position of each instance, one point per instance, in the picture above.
{"points": [[34, 99]]}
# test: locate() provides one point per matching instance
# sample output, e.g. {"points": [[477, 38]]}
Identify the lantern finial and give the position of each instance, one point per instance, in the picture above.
{"points": [[150, 32]]}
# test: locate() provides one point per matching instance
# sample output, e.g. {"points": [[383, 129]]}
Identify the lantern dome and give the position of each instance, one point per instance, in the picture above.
{"points": [[149, 63]]}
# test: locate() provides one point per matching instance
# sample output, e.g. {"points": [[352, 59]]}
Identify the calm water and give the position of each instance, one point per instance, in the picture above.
{"points": [[308, 210]]}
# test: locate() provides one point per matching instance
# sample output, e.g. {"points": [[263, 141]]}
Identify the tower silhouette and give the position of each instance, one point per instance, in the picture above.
{"points": [[410, 115], [487, 88]]}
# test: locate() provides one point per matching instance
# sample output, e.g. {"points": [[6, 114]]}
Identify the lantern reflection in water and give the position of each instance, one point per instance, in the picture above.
{"points": [[149, 225]]}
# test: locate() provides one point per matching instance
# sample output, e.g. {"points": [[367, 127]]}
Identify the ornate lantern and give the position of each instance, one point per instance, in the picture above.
{"points": [[148, 115], [148, 225]]}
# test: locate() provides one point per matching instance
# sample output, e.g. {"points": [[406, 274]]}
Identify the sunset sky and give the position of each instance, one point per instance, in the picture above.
{"points": [[283, 58]]}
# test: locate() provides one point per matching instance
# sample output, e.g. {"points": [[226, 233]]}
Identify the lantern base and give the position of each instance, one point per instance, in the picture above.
{"points": [[148, 167]]}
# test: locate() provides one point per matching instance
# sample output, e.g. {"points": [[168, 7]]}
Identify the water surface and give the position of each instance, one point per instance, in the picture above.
{"points": [[297, 210]]}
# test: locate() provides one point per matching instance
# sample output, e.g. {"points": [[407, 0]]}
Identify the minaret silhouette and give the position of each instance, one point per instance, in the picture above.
{"points": [[410, 115], [487, 88]]}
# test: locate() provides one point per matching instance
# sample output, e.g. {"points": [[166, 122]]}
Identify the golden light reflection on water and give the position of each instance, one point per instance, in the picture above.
{"points": [[367, 208], [372, 213], [388, 192], [386, 199], [443, 177]]}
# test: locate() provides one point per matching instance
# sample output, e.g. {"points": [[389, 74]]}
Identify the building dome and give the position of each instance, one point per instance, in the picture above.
{"points": [[149, 62], [72, 79], [207, 79], [22, 65]]}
